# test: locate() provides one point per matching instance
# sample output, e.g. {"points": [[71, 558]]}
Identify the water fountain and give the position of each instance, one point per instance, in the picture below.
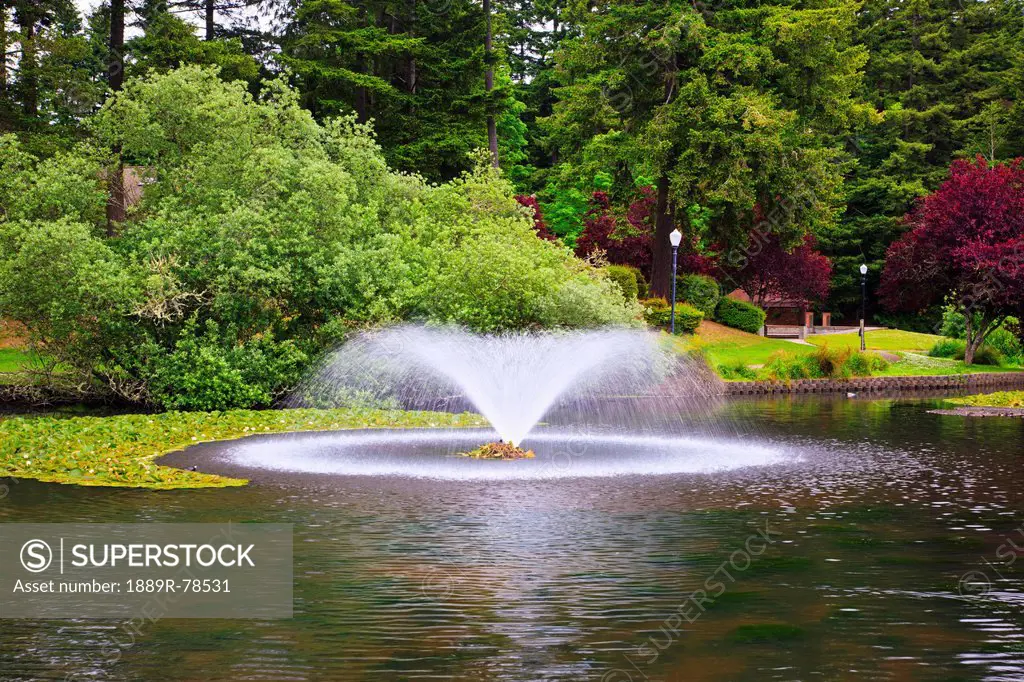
{"points": [[591, 403], [512, 379]]}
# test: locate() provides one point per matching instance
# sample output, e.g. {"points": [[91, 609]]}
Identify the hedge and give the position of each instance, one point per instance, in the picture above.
{"points": [[658, 313], [740, 315]]}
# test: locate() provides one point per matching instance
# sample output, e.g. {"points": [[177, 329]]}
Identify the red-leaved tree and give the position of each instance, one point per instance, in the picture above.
{"points": [[632, 244], [601, 230], [965, 244], [539, 226], [768, 270]]}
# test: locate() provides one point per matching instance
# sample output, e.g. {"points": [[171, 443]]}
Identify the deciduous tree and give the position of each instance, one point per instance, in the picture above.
{"points": [[965, 244]]}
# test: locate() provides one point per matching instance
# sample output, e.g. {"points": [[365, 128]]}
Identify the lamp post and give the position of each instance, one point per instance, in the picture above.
{"points": [[863, 303], [675, 237]]}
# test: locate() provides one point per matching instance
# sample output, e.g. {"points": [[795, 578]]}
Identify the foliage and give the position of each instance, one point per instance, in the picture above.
{"points": [[715, 107], [565, 209], [965, 245], [1002, 338], [998, 399], [623, 240], [418, 73], [658, 313], [824, 363], [739, 315], [767, 270], [699, 291], [539, 226], [119, 450], [626, 279], [866, 364], [262, 235], [736, 371], [955, 349], [1006, 342], [947, 348], [168, 42], [688, 318], [944, 77], [924, 322], [499, 450]]}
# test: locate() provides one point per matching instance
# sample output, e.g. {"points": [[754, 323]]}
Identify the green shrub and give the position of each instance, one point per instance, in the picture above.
{"points": [[866, 364], [1004, 341], [956, 349], [827, 363], [626, 279], [739, 315], [688, 318], [784, 366], [823, 363], [658, 313], [987, 355], [948, 348], [262, 239], [643, 286], [737, 370], [699, 291]]}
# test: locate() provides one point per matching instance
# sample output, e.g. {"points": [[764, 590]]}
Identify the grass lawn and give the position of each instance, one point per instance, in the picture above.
{"points": [[1000, 399], [119, 450], [14, 359], [883, 339], [919, 364], [725, 346]]}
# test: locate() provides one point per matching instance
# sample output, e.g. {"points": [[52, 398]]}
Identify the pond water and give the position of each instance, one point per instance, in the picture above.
{"points": [[865, 540]]}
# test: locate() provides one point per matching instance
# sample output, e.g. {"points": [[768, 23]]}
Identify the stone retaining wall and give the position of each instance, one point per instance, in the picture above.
{"points": [[968, 382]]}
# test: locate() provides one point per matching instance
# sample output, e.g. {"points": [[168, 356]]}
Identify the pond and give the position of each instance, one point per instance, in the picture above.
{"points": [[878, 546]]}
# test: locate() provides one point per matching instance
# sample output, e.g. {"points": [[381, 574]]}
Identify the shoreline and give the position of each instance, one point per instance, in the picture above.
{"points": [[981, 411]]}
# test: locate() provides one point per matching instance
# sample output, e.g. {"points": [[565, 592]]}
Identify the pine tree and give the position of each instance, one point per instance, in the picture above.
{"points": [[942, 74], [734, 109]]}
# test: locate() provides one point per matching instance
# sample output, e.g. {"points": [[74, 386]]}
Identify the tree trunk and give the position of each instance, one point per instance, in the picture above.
{"points": [[27, 68], [3, 48], [209, 19], [492, 128], [115, 79], [115, 53], [974, 337], [661, 249], [410, 75]]}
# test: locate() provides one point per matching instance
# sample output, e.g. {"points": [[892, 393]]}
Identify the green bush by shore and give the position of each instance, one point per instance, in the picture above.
{"points": [[119, 451], [262, 239]]}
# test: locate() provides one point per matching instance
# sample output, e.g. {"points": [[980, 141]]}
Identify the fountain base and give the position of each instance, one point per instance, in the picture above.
{"points": [[499, 450]]}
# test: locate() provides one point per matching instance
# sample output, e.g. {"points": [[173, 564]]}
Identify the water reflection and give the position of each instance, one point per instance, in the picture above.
{"points": [[875, 527]]}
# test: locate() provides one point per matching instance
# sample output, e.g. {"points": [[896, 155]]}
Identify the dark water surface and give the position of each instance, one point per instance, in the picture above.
{"points": [[889, 556]]}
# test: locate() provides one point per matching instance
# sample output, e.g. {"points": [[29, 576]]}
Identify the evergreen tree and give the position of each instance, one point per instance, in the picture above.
{"points": [[48, 77], [734, 110], [419, 74], [942, 74]]}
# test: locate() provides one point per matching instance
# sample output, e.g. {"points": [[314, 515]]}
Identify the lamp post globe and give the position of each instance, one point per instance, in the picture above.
{"points": [[674, 238]]}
